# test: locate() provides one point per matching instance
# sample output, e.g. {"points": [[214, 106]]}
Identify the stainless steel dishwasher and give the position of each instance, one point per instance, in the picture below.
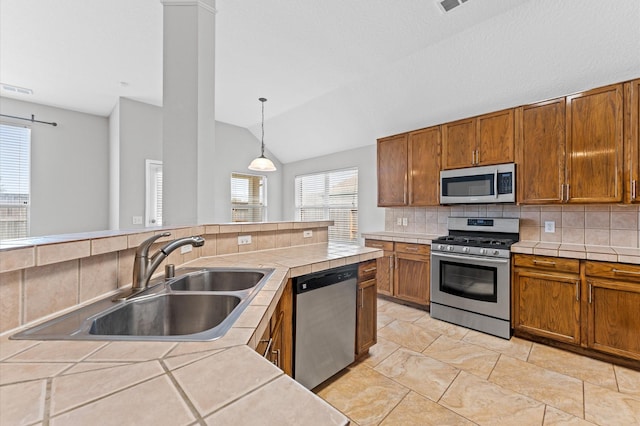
{"points": [[325, 324]]}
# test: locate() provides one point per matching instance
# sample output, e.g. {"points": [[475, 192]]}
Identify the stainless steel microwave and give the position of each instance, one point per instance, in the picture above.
{"points": [[477, 185]]}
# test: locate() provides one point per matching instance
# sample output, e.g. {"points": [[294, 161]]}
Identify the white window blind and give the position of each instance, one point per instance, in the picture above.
{"points": [[15, 163], [331, 195], [153, 210], [248, 198]]}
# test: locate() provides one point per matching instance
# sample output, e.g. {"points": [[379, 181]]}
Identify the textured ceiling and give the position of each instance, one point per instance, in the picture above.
{"points": [[337, 74]]}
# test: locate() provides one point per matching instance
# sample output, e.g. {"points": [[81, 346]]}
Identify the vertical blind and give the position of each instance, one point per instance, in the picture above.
{"points": [[248, 198], [15, 147], [331, 195]]}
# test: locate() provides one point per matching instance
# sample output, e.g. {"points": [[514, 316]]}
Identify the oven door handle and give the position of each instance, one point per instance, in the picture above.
{"points": [[477, 259]]}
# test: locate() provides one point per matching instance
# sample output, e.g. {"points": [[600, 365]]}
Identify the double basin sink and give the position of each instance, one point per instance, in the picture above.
{"points": [[199, 304]]}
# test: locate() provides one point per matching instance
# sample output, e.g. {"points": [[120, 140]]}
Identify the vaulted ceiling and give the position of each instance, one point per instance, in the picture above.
{"points": [[337, 74]]}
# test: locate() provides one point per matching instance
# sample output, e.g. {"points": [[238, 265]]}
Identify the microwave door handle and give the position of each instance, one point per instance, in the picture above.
{"points": [[495, 183]]}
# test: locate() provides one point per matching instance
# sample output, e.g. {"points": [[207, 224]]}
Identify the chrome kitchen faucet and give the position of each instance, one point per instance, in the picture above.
{"points": [[144, 266]]}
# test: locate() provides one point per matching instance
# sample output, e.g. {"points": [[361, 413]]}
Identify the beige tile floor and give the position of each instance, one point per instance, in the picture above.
{"points": [[427, 372]]}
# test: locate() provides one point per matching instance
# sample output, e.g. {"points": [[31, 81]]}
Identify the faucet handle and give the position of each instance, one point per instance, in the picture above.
{"points": [[143, 248]]}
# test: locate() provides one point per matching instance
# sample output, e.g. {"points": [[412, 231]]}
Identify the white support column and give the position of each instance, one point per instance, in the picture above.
{"points": [[188, 139]]}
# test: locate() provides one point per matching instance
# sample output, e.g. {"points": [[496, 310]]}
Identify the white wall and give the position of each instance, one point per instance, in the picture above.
{"points": [[140, 134], [370, 216], [235, 148], [69, 168]]}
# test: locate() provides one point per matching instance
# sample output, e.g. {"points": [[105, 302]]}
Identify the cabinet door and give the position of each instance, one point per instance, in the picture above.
{"points": [[540, 152], [547, 304], [412, 278], [613, 317], [385, 273], [594, 145], [495, 138], [282, 331], [459, 144], [392, 171], [367, 325], [632, 140], [424, 167]]}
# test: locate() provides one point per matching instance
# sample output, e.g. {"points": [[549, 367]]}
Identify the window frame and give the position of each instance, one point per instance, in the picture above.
{"points": [[23, 204], [326, 206], [262, 204]]}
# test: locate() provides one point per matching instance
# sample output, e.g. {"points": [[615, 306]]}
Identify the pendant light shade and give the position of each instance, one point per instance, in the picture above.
{"points": [[262, 163]]}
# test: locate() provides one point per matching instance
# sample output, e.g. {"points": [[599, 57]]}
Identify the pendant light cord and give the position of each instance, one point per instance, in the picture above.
{"points": [[263, 100]]}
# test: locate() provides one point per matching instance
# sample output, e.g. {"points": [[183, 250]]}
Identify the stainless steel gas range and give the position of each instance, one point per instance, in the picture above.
{"points": [[471, 274]]}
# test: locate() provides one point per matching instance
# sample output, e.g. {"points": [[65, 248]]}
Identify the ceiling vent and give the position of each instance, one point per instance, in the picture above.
{"points": [[16, 89], [449, 5]]}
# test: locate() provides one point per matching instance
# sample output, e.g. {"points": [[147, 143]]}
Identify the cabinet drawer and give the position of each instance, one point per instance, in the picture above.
{"points": [[618, 271], [547, 262], [379, 244], [413, 248], [367, 270]]}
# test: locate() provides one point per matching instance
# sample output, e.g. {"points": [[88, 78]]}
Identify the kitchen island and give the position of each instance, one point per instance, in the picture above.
{"points": [[219, 382]]}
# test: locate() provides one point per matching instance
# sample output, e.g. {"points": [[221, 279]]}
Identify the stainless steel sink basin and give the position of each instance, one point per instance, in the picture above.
{"points": [[217, 280], [199, 304], [166, 315]]}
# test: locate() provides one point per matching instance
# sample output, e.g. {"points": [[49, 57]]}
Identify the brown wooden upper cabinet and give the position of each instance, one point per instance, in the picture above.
{"points": [[479, 141], [569, 150], [540, 152], [594, 146], [632, 140], [409, 168]]}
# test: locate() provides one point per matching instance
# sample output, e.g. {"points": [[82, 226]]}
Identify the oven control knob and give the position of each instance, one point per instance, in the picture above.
{"points": [[449, 248], [440, 247], [483, 251], [496, 252], [465, 249]]}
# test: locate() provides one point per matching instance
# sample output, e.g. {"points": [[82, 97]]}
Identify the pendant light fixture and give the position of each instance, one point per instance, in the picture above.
{"points": [[262, 163]]}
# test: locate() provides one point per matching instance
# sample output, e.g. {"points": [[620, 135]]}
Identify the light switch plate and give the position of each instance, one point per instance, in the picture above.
{"points": [[405, 222], [549, 226], [137, 220], [307, 234], [399, 221], [244, 240], [186, 249]]}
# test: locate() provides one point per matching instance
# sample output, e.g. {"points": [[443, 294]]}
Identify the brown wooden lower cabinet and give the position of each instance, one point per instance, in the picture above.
{"points": [[367, 308], [403, 271], [276, 344], [592, 306], [546, 299], [613, 314]]}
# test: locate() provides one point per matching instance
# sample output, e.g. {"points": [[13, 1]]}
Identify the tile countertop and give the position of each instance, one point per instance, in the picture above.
{"points": [[572, 251], [219, 382]]}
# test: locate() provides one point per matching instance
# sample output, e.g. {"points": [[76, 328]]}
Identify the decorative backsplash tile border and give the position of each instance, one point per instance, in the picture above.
{"points": [[600, 224]]}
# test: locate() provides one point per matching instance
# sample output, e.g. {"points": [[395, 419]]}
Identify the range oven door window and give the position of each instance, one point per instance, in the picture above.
{"points": [[474, 282]]}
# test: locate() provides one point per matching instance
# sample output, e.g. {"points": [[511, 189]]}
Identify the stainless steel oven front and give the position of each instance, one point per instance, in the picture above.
{"points": [[472, 291]]}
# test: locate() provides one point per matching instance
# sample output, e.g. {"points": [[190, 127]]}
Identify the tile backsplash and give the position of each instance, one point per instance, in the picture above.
{"points": [[601, 224]]}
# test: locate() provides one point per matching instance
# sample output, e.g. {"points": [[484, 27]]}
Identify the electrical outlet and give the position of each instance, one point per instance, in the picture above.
{"points": [[549, 226], [405, 222], [307, 234], [399, 221], [186, 249], [137, 220], [244, 240]]}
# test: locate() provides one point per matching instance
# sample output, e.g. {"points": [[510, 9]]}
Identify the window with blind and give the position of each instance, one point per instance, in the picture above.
{"points": [[153, 194], [15, 164], [331, 195], [248, 198]]}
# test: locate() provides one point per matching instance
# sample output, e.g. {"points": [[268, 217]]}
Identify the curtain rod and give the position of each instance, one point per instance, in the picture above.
{"points": [[32, 119]]}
